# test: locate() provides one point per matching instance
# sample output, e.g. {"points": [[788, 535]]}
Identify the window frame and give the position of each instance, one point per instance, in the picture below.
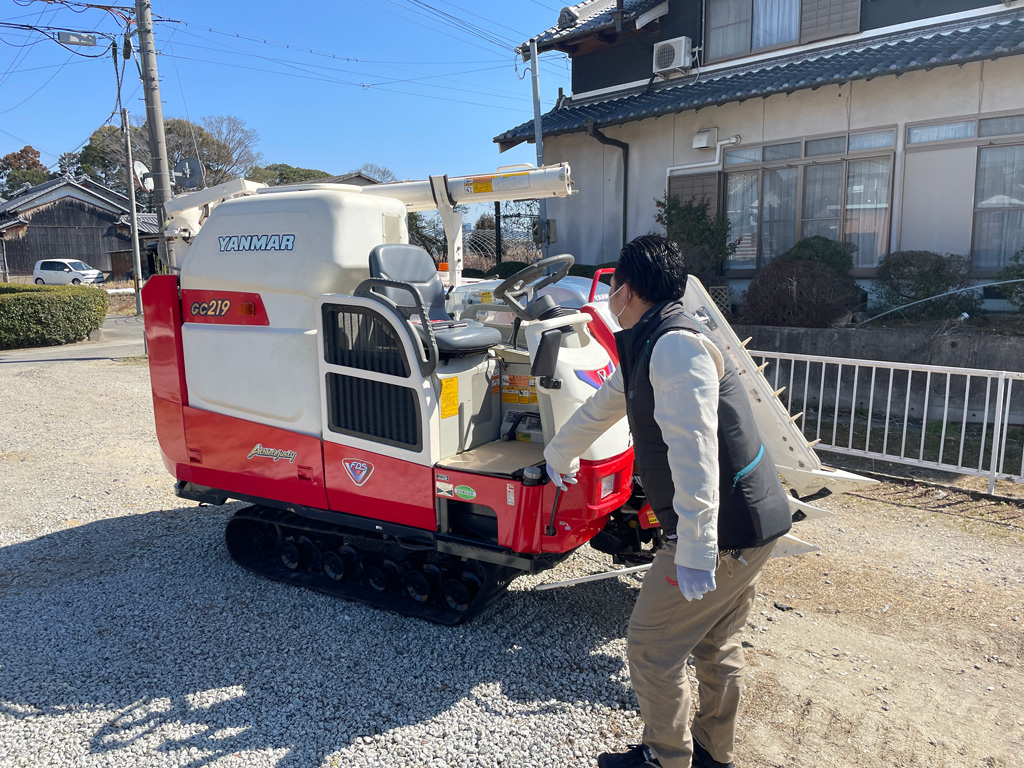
{"points": [[751, 51], [977, 142], [800, 163]]}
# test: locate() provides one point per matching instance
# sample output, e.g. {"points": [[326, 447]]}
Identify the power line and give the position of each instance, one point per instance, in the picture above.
{"points": [[341, 82], [37, 90]]}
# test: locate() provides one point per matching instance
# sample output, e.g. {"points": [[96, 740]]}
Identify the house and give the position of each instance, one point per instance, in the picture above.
{"points": [[65, 218], [894, 124]]}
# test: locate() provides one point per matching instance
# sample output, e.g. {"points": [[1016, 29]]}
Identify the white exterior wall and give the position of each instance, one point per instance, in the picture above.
{"points": [[589, 223]]}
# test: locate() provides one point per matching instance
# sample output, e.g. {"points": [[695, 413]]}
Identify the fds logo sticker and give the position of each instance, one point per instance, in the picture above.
{"points": [[358, 470]]}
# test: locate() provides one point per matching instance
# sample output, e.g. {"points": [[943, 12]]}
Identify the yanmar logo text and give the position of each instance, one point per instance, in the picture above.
{"points": [[258, 451], [256, 243]]}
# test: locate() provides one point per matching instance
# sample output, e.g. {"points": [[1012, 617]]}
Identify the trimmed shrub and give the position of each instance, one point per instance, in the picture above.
{"points": [[809, 286], [1013, 271], [798, 294], [833, 254], [908, 276], [505, 269], [470, 272], [45, 315]]}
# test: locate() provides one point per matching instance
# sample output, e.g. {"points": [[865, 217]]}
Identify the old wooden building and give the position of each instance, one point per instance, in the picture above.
{"points": [[65, 218]]}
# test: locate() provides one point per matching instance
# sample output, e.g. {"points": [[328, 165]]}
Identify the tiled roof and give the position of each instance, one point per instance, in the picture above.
{"points": [[594, 15], [147, 223], [925, 48], [84, 183]]}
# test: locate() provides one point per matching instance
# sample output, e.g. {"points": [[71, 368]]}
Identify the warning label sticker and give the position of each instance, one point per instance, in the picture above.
{"points": [[479, 185], [507, 181], [444, 489], [449, 397]]}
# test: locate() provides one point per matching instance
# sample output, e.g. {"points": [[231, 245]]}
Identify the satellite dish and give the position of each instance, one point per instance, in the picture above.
{"points": [[189, 173], [142, 177]]}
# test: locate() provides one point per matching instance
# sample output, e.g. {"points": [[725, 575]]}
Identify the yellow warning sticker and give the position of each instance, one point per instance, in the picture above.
{"points": [[478, 185], [449, 397], [486, 297]]}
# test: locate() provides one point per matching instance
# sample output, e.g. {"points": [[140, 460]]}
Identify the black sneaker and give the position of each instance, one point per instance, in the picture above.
{"points": [[703, 759], [638, 756]]}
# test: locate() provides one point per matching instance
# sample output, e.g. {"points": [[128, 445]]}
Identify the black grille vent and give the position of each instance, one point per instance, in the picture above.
{"points": [[374, 410], [360, 338]]}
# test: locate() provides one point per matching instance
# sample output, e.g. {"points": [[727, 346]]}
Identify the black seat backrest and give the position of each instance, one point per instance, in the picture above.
{"points": [[412, 265]]}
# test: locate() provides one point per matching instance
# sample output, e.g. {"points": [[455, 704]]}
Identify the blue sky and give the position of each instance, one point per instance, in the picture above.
{"points": [[328, 85]]}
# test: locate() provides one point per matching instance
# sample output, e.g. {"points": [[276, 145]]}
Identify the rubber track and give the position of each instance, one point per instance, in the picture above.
{"points": [[254, 538]]}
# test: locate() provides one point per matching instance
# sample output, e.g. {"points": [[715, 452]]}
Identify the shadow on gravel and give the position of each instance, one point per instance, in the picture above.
{"points": [[142, 637]]}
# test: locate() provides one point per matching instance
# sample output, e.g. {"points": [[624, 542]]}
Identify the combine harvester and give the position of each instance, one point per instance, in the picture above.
{"points": [[304, 361]]}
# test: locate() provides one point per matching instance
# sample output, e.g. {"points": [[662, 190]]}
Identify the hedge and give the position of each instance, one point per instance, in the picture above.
{"points": [[48, 315]]}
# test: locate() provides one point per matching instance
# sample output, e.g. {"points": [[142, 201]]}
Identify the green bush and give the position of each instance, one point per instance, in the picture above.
{"points": [[45, 315], [1013, 271], [588, 270], [702, 238], [505, 269], [470, 272], [833, 254], [908, 276], [809, 286]]}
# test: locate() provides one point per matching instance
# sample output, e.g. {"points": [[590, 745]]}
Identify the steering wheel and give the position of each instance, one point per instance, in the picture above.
{"points": [[514, 288]]}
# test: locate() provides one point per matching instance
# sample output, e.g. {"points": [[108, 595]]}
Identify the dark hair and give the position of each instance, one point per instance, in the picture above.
{"points": [[653, 267]]}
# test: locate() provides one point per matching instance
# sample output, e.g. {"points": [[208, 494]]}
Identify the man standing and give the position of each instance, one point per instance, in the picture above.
{"points": [[715, 492]]}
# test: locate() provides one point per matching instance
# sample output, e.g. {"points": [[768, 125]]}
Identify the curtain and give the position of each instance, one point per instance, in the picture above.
{"points": [[741, 210], [728, 28], [775, 22], [867, 209], [999, 206], [778, 212], [944, 132], [823, 200]]}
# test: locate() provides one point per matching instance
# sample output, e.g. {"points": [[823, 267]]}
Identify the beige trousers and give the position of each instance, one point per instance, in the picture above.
{"points": [[665, 630]]}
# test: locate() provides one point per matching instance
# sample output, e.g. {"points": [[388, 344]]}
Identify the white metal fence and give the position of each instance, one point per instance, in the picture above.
{"points": [[962, 420]]}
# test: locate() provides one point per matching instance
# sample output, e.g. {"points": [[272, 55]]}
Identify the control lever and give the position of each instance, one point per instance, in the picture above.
{"points": [[550, 530]]}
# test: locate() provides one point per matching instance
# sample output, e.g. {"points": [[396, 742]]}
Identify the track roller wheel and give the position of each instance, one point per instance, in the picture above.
{"points": [[264, 539], [384, 576], [334, 566], [418, 586], [290, 555]]}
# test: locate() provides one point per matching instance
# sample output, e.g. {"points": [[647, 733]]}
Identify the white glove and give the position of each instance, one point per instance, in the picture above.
{"points": [[694, 583], [559, 479]]}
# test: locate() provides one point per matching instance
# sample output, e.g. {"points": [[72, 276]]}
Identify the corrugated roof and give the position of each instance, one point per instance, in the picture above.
{"points": [[594, 16], [977, 39]]}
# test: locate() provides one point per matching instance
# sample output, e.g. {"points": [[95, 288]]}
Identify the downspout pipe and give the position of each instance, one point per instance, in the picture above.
{"points": [[593, 131]]}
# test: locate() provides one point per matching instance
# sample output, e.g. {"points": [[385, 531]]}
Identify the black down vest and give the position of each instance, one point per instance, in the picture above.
{"points": [[753, 508]]}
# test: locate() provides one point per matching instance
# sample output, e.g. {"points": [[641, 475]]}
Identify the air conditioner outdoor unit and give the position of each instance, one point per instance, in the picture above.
{"points": [[673, 55]]}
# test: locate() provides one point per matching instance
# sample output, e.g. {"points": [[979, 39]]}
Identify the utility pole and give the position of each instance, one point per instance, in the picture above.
{"points": [[538, 137], [129, 168], [155, 121]]}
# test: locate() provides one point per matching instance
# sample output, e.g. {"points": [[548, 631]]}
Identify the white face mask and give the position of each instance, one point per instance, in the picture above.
{"points": [[618, 314]]}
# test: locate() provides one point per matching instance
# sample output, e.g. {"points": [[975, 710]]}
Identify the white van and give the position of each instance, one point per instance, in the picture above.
{"points": [[64, 272]]}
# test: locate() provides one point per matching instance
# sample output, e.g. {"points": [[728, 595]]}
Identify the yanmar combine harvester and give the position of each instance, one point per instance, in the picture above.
{"points": [[304, 361]]}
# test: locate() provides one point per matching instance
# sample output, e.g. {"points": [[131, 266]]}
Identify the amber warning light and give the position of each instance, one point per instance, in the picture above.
{"points": [[247, 309]]}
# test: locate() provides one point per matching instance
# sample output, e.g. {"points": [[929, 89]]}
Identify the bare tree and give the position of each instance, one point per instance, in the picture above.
{"points": [[240, 142]]}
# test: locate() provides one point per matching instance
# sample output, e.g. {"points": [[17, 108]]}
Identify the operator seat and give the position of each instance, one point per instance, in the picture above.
{"points": [[413, 266]]}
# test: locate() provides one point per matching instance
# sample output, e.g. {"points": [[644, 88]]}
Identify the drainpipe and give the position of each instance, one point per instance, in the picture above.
{"points": [[3, 259], [594, 132]]}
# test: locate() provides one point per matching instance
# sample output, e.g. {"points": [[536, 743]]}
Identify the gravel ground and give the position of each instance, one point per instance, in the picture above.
{"points": [[129, 638]]}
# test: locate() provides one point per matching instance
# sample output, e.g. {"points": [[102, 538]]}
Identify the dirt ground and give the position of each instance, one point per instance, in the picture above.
{"points": [[898, 644]]}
